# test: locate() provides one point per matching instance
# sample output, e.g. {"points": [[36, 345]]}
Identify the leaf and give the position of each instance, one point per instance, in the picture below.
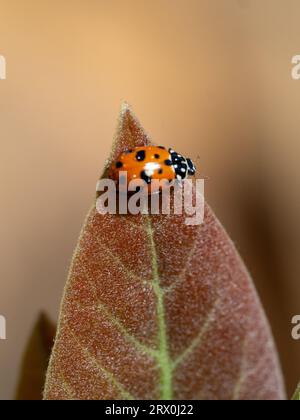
{"points": [[35, 360], [296, 396], [156, 309]]}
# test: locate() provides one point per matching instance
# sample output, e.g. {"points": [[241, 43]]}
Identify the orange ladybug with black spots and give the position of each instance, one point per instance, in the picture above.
{"points": [[152, 162]]}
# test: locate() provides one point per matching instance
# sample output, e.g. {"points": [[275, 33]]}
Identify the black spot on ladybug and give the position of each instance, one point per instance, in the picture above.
{"points": [[141, 155], [156, 156], [119, 165], [160, 171], [168, 162], [162, 147], [145, 177]]}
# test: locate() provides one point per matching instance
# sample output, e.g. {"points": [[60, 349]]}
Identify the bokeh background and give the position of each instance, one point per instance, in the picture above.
{"points": [[211, 78]]}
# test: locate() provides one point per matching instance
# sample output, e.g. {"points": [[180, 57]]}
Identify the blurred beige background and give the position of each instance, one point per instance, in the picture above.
{"points": [[209, 77]]}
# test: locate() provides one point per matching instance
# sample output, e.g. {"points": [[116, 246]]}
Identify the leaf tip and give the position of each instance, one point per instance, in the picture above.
{"points": [[125, 107], [129, 133]]}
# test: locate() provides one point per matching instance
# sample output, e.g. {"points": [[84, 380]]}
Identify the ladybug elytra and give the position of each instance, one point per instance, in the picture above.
{"points": [[152, 162]]}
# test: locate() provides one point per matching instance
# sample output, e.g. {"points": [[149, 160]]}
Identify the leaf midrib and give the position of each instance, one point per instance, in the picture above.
{"points": [[163, 354]]}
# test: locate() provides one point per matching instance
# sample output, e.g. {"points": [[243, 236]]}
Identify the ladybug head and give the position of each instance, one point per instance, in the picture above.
{"points": [[191, 167], [183, 167]]}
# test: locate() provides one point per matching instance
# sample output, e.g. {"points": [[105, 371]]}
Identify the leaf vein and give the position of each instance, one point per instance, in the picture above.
{"points": [[67, 388], [129, 273], [197, 341], [109, 376], [164, 359], [130, 337], [244, 372], [182, 274]]}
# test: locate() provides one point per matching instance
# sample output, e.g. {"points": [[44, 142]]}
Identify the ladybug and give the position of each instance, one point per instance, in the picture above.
{"points": [[152, 162]]}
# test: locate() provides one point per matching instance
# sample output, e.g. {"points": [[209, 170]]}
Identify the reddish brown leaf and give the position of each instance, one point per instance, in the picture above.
{"points": [[35, 360], [155, 309]]}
